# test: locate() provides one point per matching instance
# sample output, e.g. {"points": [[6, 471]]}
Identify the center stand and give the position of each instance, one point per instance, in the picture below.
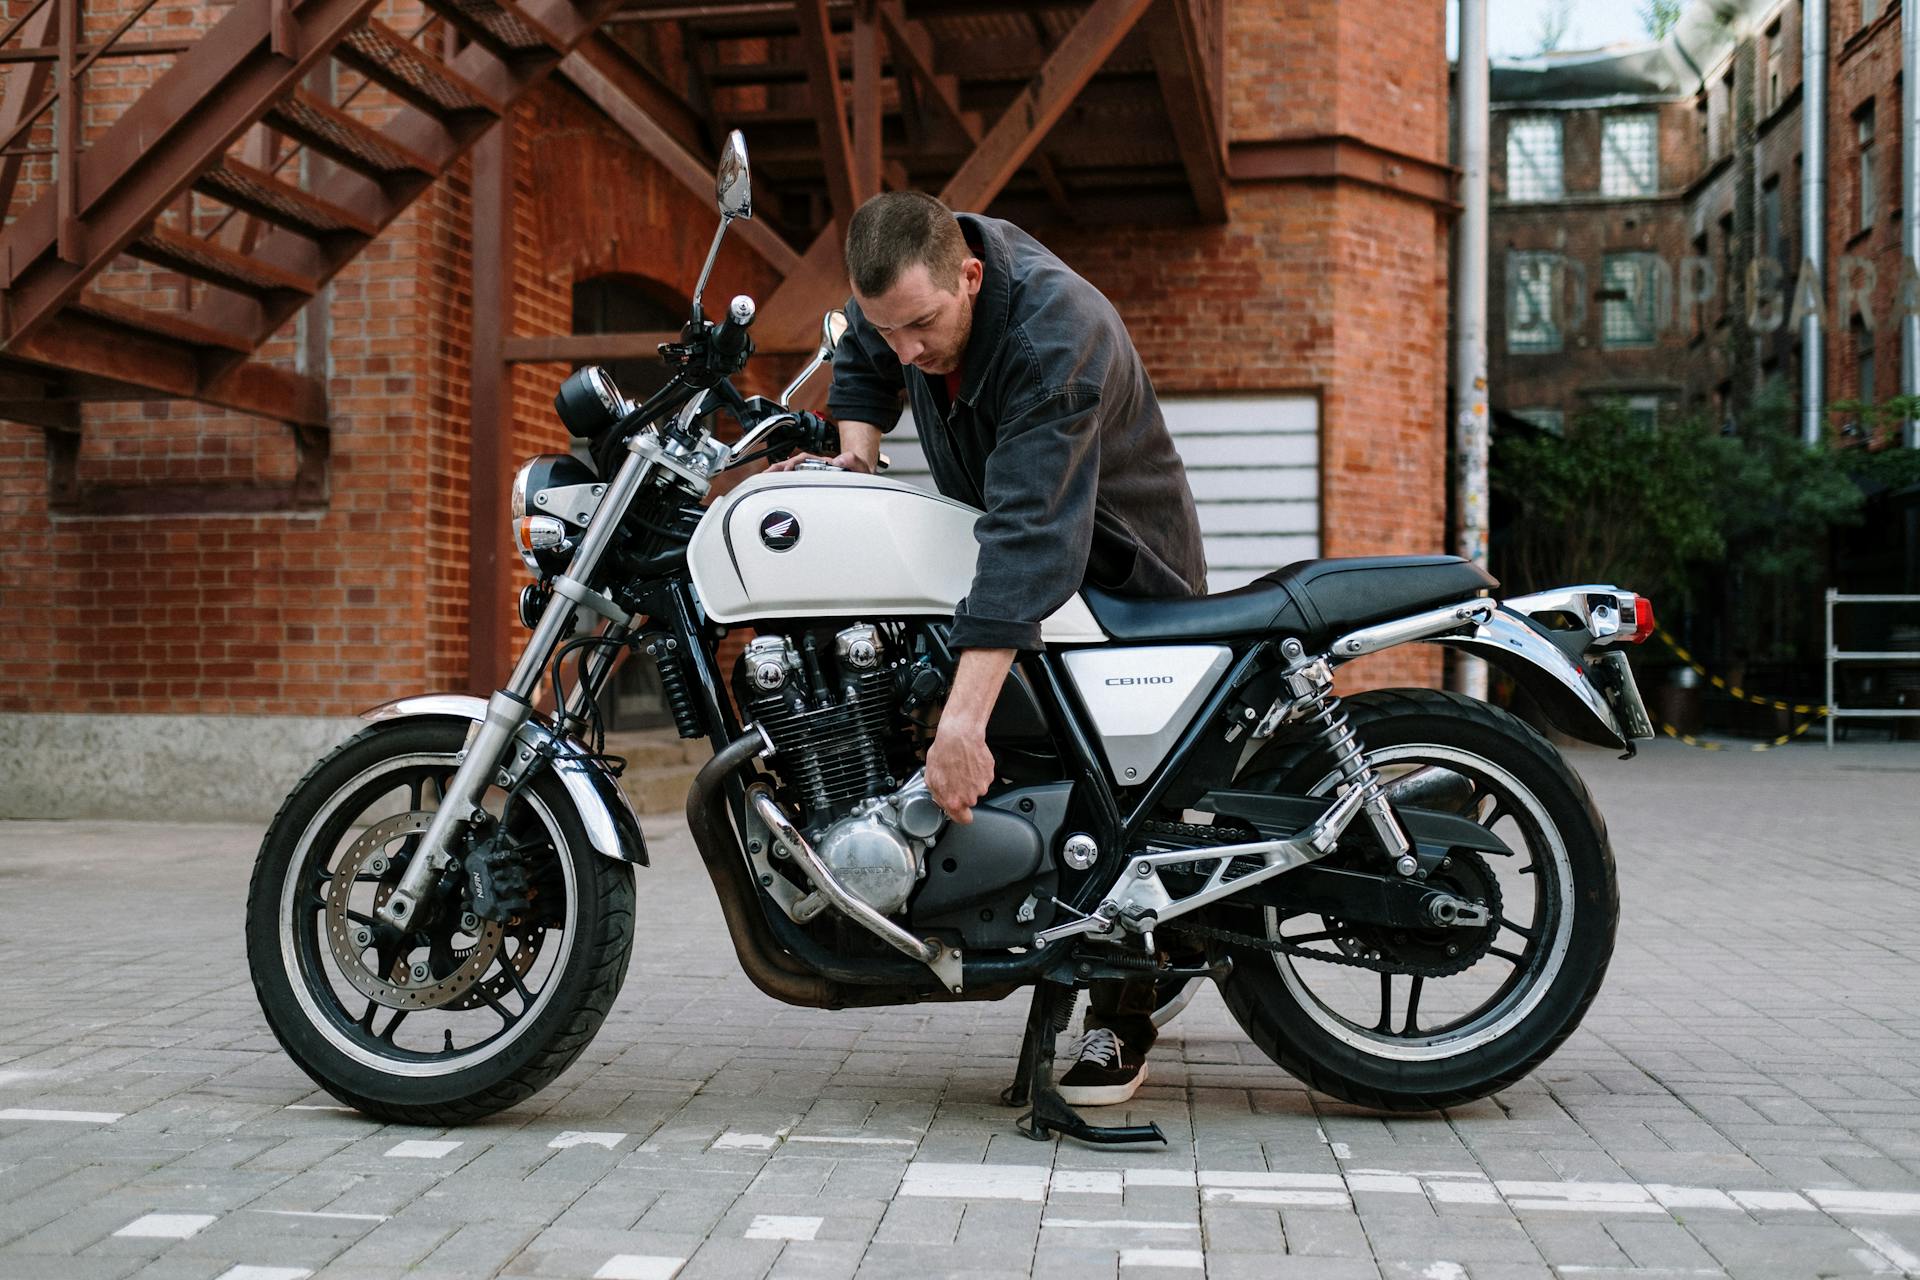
{"points": [[1033, 1079]]}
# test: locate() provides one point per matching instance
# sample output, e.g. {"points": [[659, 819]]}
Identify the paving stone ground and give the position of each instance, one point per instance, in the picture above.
{"points": [[1742, 1101]]}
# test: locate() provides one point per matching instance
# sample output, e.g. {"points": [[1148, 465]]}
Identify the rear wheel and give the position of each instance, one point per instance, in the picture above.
{"points": [[454, 1016], [1420, 1019]]}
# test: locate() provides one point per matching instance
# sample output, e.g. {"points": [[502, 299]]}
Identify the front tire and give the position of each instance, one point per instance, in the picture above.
{"points": [[1537, 968], [461, 1017]]}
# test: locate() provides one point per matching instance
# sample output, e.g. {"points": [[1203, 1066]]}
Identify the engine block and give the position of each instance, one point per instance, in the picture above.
{"points": [[829, 714]]}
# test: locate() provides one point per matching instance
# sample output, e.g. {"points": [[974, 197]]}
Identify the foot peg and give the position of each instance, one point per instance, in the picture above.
{"points": [[1033, 1080]]}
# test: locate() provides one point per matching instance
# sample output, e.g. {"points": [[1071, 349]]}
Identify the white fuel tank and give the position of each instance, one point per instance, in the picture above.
{"points": [[833, 544]]}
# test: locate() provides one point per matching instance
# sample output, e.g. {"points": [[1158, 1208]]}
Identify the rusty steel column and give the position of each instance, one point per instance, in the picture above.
{"points": [[490, 457]]}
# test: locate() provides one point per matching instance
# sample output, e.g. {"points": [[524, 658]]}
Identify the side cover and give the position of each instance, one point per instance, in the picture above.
{"points": [[838, 544]]}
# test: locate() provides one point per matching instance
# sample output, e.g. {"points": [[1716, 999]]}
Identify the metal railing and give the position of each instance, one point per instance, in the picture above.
{"points": [[1836, 656]]}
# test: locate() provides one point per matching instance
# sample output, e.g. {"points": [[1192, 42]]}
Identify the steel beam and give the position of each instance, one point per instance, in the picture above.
{"points": [[21, 88], [1174, 36], [490, 456], [829, 109]]}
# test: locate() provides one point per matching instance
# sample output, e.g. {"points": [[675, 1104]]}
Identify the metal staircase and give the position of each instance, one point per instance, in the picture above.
{"points": [[152, 257]]}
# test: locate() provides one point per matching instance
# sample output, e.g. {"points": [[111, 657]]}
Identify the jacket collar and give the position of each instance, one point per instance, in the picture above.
{"points": [[992, 307]]}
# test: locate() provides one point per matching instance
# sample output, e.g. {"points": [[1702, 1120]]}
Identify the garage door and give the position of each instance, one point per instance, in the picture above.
{"points": [[1253, 462]]}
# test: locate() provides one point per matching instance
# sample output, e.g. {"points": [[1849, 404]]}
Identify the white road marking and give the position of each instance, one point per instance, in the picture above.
{"points": [[1444, 1271], [168, 1226], [1902, 1258], [1880, 1203], [773, 1226], [1160, 1177], [1770, 1200], [749, 1141], [1590, 1197], [1263, 1195], [315, 1106], [580, 1138], [18, 1076], [1243, 1178], [1402, 1184], [1463, 1192], [1874, 1263], [856, 1138], [1188, 1259], [420, 1149], [247, 1271], [1692, 1197], [1086, 1182], [976, 1181], [1118, 1224], [639, 1266], [71, 1117], [317, 1213]]}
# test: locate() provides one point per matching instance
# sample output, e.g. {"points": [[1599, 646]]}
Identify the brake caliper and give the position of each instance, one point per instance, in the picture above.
{"points": [[496, 878]]}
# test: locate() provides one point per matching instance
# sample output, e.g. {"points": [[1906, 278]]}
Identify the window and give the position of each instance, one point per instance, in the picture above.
{"points": [[1776, 61], [1643, 411], [1533, 302], [1863, 131], [1629, 155], [1551, 421], [1533, 159], [1771, 244], [1628, 285]]}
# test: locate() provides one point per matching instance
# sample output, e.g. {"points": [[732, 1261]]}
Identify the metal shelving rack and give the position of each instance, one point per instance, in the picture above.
{"points": [[1836, 656]]}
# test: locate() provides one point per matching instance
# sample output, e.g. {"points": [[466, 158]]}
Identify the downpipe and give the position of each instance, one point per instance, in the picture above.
{"points": [[778, 956]]}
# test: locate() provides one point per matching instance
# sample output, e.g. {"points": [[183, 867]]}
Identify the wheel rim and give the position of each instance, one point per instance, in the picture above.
{"points": [[483, 984], [1484, 1003]]}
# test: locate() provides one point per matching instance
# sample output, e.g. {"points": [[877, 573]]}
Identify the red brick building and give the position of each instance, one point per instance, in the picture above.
{"points": [[192, 585]]}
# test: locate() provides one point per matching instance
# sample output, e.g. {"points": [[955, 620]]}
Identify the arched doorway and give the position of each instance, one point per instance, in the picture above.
{"points": [[624, 303]]}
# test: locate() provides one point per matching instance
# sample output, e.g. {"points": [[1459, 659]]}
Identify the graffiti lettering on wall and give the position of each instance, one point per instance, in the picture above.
{"points": [[1641, 296]]}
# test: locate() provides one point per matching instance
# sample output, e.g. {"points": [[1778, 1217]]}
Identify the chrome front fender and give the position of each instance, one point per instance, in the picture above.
{"points": [[603, 807], [1557, 683]]}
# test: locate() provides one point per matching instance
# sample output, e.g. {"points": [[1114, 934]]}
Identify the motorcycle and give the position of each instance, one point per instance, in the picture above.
{"points": [[1407, 898]]}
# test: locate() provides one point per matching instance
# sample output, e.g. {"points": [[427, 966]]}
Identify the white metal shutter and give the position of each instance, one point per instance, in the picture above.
{"points": [[1253, 462]]}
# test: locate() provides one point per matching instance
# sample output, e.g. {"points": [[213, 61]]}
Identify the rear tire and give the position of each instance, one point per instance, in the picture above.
{"points": [[584, 922], [1533, 1008]]}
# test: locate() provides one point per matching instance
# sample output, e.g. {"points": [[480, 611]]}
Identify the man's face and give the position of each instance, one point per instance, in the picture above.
{"points": [[926, 326]]}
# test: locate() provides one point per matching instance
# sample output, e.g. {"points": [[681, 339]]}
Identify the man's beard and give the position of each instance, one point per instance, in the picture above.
{"points": [[950, 359]]}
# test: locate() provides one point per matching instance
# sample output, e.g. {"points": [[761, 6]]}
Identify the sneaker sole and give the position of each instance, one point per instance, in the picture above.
{"points": [[1103, 1095]]}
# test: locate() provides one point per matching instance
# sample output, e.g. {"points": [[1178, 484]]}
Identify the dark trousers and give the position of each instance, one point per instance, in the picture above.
{"points": [[1124, 1007]]}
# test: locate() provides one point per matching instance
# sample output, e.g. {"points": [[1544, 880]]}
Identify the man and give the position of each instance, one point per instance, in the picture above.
{"points": [[1031, 404]]}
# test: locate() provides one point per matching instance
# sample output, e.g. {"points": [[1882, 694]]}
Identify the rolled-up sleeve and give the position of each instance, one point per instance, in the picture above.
{"points": [[867, 379], [1043, 477]]}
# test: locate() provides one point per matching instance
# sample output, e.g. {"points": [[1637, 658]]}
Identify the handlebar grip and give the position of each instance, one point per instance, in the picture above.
{"points": [[730, 338]]}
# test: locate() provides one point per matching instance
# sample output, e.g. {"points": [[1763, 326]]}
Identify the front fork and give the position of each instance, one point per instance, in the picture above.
{"points": [[510, 708]]}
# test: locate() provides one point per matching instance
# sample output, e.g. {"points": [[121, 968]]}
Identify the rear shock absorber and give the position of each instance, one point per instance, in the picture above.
{"points": [[665, 652], [1310, 680]]}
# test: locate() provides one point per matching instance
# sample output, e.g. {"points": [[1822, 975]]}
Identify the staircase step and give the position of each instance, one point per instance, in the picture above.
{"points": [[660, 768], [500, 28], [160, 324], [382, 54], [217, 264], [339, 136], [264, 196]]}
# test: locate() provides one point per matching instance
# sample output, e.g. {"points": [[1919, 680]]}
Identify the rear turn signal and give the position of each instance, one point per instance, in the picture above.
{"points": [[1642, 619]]}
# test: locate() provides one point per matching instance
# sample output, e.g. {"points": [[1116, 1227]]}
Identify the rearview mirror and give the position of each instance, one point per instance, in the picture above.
{"points": [[733, 188], [832, 328]]}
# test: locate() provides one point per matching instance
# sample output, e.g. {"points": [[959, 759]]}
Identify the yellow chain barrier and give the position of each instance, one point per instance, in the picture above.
{"points": [[1817, 710]]}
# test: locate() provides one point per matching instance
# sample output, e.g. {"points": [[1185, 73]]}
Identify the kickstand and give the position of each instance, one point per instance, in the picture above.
{"points": [[1033, 1080]]}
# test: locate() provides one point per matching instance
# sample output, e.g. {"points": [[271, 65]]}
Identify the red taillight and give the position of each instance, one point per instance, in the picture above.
{"points": [[1642, 619]]}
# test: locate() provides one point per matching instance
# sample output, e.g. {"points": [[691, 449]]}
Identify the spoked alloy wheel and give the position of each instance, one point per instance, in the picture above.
{"points": [[453, 1016], [1409, 1019]]}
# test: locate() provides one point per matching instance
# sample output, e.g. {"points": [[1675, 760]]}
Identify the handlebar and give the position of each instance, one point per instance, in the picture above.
{"points": [[730, 340]]}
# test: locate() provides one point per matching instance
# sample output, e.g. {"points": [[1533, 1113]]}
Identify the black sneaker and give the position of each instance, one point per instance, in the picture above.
{"points": [[1104, 1071]]}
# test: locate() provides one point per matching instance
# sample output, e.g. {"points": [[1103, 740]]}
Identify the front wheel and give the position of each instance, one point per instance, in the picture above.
{"points": [[456, 1015], [1409, 1019]]}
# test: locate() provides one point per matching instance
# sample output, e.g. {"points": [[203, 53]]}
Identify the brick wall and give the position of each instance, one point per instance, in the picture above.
{"points": [[1314, 286]]}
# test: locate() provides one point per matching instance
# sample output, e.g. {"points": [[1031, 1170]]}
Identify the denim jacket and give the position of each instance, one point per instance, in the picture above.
{"points": [[1055, 434]]}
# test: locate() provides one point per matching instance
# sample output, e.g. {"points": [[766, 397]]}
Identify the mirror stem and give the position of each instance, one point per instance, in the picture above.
{"points": [[712, 253]]}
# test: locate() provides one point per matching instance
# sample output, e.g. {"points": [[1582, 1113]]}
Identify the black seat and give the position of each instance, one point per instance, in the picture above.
{"points": [[1315, 600]]}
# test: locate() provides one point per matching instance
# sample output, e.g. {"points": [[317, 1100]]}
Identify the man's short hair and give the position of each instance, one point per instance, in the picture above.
{"points": [[896, 229]]}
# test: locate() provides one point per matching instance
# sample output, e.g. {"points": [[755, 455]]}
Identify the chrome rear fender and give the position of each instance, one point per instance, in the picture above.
{"points": [[603, 807], [1512, 642]]}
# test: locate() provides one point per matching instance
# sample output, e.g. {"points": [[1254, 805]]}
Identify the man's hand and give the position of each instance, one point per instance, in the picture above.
{"points": [[959, 769], [846, 461], [959, 766]]}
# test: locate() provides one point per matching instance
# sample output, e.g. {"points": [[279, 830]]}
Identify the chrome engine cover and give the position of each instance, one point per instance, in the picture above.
{"points": [[874, 860]]}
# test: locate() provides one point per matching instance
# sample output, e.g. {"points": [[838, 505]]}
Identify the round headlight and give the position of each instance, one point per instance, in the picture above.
{"points": [[554, 496]]}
